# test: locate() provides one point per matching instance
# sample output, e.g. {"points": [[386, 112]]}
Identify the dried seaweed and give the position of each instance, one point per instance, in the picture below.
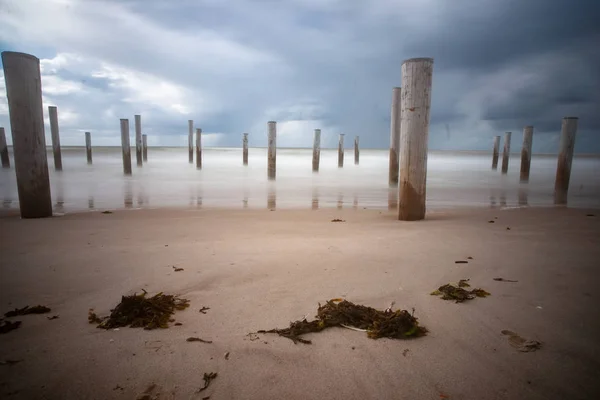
{"points": [[338, 220], [504, 280], [457, 293], [28, 310], [197, 339], [399, 324], [208, 378], [177, 269], [7, 326], [203, 310], [139, 311]]}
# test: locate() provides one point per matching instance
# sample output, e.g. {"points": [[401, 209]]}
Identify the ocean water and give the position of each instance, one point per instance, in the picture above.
{"points": [[454, 179]]}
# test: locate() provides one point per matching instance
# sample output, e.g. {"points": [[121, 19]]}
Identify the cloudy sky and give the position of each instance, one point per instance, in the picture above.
{"points": [[233, 65]]}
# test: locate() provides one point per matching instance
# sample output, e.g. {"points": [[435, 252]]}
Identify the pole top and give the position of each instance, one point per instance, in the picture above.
{"points": [[51, 107], [272, 122], [18, 54], [418, 59], [198, 130], [570, 117], [528, 126]]}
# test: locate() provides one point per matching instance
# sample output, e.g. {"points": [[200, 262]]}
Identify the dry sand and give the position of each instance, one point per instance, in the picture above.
{"points": [[258, 270]]}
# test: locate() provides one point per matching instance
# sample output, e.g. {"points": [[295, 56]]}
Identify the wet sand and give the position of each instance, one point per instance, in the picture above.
{"points": [[259, 269]]}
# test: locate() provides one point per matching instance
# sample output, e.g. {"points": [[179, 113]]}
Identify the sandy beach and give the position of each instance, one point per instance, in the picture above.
{"points": [[260, 269]]}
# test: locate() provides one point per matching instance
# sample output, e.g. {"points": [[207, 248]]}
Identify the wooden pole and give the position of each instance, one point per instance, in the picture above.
{"points": [[341, 151], [506, 152], [198, 148], [316, 150], [138, 140], [53, 113], [24, 94], [145, 147], [88, 147], [190, 140], [414, 109], [356, 152], [272, 152], [126, 146], [526, 153], [245, 149], [395, 125], [495, 152], [4, 150], [565, 159]]}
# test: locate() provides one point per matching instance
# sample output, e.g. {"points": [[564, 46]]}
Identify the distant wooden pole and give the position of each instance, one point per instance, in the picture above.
{"points": [[53, 113], [245, 149], [126, 146], [341, 151], [495, 152], [526, 153], [4, 150], [198, 148], [272, 152], [356, 152], [138, 140], [415, 108], [145, 147], [24, 94], [316, 150], [88, 147], [565, 159], [506, 152], [190, 140], [395, 125]]}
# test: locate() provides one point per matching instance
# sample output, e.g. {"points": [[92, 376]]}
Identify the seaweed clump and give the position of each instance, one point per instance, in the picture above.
{"points": [[139, 311], [458, 293], [28, 310], [399, 324]]}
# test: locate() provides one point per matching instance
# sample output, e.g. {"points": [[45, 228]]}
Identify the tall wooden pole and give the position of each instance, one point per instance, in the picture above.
{"points": [[198, 148], [53, 113], [415, 109], [495, 152], [341, 151], [138, 140], [24, 94], [395, 125], [190, 141], [565, 159], [506, 152], [316, 159], [125, 146], [4, 150], [272, 152], [356, 151], [526, 153], [145, 147], [245, 149], [88, 147]]}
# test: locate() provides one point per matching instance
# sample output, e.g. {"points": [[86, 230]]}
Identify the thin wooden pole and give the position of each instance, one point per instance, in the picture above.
{"points": [[565, 159], [506, 152], [395, 126], [245, 149], [341, 151], [356, 151], [316, 160], [526, 153], [495, 152], [4, 149], [415, 108], [198, 148], [88, 147], [190, 141], [24, 94], [53, 113], [126, 146], [145, 147], [272, 152], [138, 140]]}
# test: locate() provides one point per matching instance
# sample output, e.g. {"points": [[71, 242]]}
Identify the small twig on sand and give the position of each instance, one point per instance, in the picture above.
{"points": [[197, 339]]}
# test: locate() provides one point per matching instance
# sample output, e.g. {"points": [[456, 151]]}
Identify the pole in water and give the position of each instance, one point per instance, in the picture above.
{"points": [[138, 140], [245, 149], [198, 148], [356, 152], [88, 147], [53, 113], [316, 150], [126, 146], [4, 150], [415, 108], [341, 151], [24, 94], [191, 141], [506, 152], [145, 147], [272, 152], [395, 125], [495, 152], [565, 159], [526, 153]]}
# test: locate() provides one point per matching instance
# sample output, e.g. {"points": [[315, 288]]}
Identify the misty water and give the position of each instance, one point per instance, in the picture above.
{"points": [[454, 179]]}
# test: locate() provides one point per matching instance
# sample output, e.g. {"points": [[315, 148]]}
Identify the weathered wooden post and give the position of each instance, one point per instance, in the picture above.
{"points": [[272, 199], [356, 153], [190, 140], [415, 108], [126, 146], [526, 153], [272, 152], [316, 159], [565, 159], [341, 151], [198, 148], [24, 94], [53, 113], [4, 150], [395, 125], [88, 147], [145, 147], [315, 199], [506, 152], [245, 149], [138, 140], [495, 152]]}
